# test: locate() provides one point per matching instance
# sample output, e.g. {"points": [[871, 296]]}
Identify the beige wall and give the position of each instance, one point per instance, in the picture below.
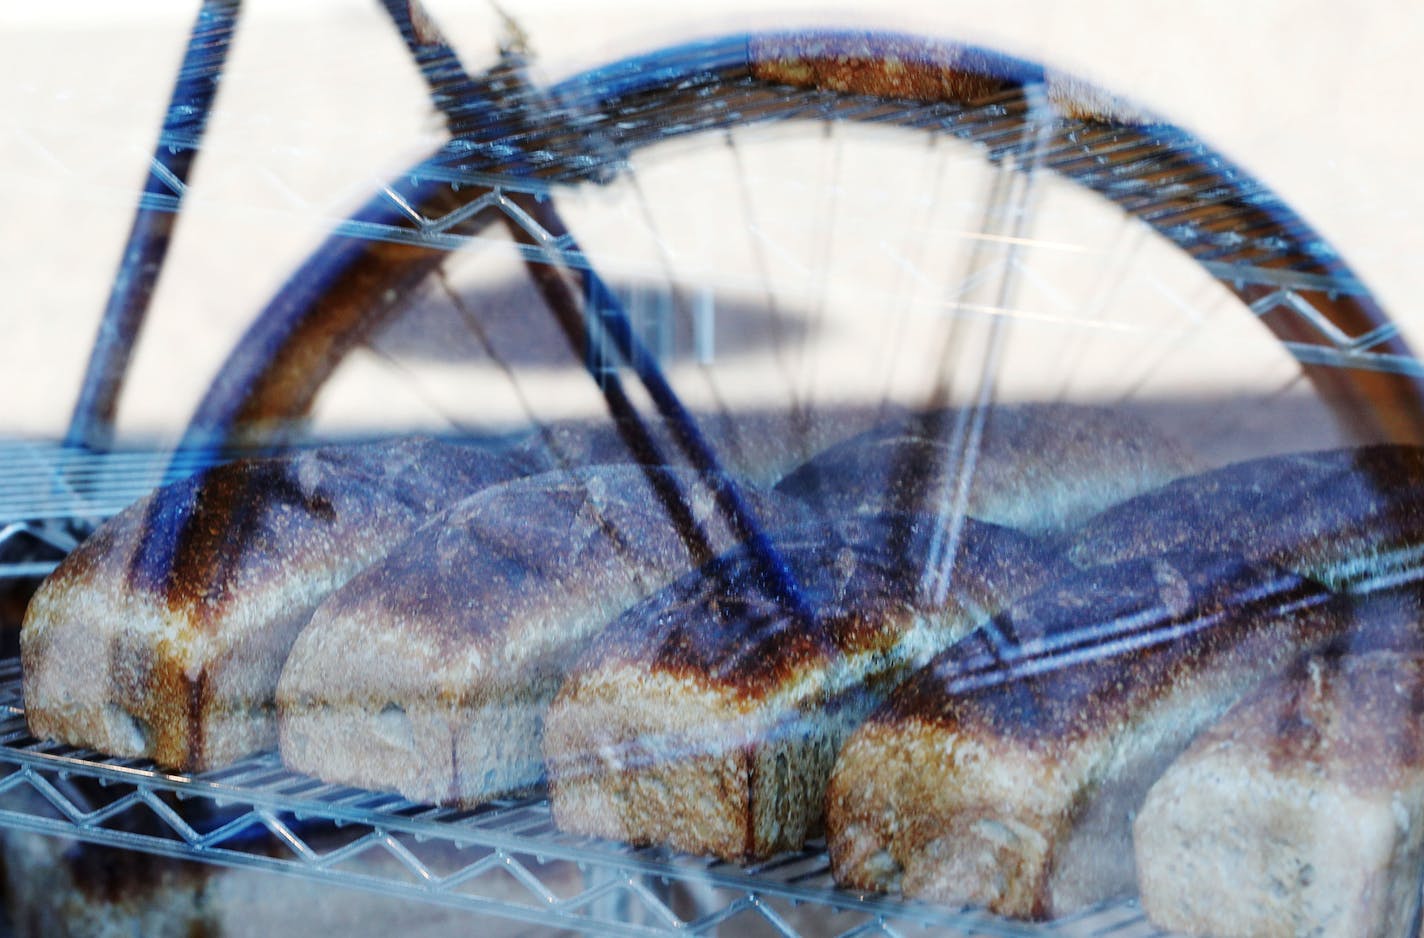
{"points": [[1315, 97]]}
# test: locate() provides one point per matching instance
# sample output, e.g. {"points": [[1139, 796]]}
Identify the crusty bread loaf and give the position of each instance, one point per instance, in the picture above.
{"points": [[429, 673], [708, 716], [1005, 773], [163, 634], [1041, 468], [1352, 518], [1300, 813]]}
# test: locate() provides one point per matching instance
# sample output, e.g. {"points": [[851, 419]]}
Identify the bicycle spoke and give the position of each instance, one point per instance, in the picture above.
{"points": [[823, 221], [913, 253], [780, 347], [1012, 199], [1113, 271]]}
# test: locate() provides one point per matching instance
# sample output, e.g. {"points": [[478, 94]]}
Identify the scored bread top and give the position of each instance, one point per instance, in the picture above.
{"points": [[1080, 657], [204, 544], [163, 634], [1038, 467], [1354, 719], [513, 574], [1338, 515], [865, 578]]}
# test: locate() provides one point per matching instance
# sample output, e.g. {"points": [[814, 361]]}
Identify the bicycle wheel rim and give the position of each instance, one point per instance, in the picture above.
{"points": [[585, 128]]}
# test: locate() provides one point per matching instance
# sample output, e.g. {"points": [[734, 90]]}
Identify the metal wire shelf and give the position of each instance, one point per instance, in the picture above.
{"points": [[504, 859], [259, 815]]}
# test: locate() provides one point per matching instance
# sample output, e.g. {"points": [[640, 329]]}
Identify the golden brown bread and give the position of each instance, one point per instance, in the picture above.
{"points": [[883, 65], [1352, 518], [1301, 812], [429, 673], [1041, 468], [707, 717], [1005, 773], [163, 634]]}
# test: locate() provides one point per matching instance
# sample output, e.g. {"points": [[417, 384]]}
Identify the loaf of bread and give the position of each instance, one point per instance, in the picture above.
{"points": [[430, 672], [163, 634], [1005, 773], [1300, 813], [1041, 468], [1352, 518], [708, 716]]}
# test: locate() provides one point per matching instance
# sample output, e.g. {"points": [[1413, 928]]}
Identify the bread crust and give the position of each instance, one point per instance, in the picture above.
{"points": [[708, 716], [163, 634], [1004, 773], [430, 672], [1343, 516], [887, 66], [1041, 468], [1300, 812], [916, 69]]}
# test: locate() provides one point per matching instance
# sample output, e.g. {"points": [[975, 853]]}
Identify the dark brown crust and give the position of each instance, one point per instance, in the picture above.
{"points": [[484, 566], [1358, 719], [183, 605], [1138, 628], [887, 66], [1309, 512], [202, 536], [723, 627], [708, 717]]}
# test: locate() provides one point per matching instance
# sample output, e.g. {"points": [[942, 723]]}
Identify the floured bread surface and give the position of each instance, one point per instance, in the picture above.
{"points": [[708, 716], [1041, 468], [1344, 516], [1006, 772], [1083, 100], [430, 673], [163, 634], [1300, 813]]}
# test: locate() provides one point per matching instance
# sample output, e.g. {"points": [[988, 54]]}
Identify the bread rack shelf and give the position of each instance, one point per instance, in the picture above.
{"points": [[505, 859]]}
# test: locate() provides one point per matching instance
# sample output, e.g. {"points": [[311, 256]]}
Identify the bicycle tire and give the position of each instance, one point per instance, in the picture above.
{"points": [[585, 128]]}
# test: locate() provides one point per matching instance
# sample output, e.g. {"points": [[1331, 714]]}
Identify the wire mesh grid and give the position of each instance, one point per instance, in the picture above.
{"points": [[588, 128], [53, 494], [1237, 229], [505, 859]]}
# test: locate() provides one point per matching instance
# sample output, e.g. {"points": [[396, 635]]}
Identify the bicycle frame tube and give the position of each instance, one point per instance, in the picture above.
{"points": [[470, 110], [1190, 195], [194, 91]]}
